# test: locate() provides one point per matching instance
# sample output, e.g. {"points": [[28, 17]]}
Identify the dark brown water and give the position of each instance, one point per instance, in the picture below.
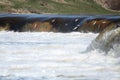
{"points": [[57, 23]]}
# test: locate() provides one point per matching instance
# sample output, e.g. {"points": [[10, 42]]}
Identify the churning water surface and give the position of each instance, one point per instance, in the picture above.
{"points": [[54, 56]]}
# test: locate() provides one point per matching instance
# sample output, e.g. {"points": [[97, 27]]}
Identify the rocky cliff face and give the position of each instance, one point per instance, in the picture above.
{"points": [[59, 6], [109, 4]]}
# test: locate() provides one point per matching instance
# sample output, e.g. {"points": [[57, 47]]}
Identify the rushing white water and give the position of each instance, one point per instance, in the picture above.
{"points": [[54, 56]]}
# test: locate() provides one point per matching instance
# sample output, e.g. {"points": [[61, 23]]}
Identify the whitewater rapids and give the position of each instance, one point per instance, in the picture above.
{"points": [[54, 56]]}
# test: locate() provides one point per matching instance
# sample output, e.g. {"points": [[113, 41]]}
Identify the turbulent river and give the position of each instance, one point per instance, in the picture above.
{"points": [[54, 56]]}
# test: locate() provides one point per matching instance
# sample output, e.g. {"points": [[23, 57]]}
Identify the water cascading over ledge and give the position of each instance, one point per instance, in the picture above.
{"points": [[107, 25], [107, 41], [56, 23]]}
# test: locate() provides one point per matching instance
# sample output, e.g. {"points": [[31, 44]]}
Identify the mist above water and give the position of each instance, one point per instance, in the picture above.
{"points": [[54, 56]]}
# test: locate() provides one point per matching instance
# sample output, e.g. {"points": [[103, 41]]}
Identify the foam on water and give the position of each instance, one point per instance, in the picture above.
{"points": [[54, 56]]}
